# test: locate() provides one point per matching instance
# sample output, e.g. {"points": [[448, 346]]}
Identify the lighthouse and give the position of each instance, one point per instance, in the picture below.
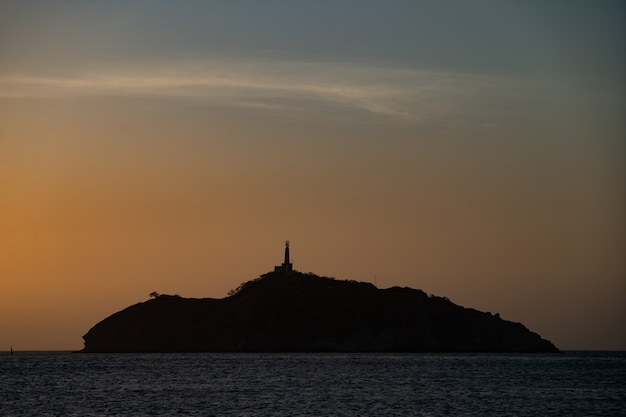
{"points": [[286, 267]]}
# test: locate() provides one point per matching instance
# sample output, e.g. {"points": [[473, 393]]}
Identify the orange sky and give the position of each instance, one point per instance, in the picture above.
{"points": [[126, 173]]}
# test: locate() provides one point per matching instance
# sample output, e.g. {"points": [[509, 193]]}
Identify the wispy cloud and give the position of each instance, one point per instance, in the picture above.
{"points": [[398, 93]]}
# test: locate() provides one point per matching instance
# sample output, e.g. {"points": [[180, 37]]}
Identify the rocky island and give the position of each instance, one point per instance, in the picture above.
{"points": [[288, 311]]}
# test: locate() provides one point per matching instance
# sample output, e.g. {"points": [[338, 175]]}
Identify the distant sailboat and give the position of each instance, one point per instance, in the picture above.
{"points": [[11, 350]]}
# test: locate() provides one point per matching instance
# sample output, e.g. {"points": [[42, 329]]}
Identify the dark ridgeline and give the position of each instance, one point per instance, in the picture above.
{"points": [[288, 311]]}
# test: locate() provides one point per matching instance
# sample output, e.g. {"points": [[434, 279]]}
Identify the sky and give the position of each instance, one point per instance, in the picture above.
{"points": [[471, 149]]}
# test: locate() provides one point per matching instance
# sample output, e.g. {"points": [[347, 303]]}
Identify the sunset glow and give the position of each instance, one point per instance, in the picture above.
{"points": [[472, 150]]}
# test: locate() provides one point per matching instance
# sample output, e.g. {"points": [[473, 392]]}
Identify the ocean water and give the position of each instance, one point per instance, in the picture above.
{"points": [[66, 384]]}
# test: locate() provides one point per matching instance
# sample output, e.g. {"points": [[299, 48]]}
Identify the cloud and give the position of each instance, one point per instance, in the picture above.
{"points": [[398, 93]]}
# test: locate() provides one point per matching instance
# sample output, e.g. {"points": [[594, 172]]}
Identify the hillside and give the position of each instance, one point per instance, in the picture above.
{"points": [[298, 312]]}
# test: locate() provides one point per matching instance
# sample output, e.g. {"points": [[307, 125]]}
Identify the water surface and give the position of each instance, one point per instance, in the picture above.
{"points": [[66, 384]]}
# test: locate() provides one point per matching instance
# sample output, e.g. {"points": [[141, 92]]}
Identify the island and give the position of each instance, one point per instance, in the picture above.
{"points": [[289, 311]]}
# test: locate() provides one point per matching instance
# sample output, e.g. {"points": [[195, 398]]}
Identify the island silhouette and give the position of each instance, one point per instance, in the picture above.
{"points": [[289, 311]]}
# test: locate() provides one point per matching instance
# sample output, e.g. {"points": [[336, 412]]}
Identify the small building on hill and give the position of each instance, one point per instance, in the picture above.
{"points": [[286, 267]]}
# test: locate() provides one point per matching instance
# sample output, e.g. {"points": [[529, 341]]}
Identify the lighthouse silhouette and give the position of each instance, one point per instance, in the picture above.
{"points": [[286, 267]]}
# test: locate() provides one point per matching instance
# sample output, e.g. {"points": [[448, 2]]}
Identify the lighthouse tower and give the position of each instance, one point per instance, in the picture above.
{"points": [[287, 266]]}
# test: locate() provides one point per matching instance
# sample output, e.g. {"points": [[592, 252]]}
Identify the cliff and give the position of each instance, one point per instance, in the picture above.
{"points": [[305, 313]]}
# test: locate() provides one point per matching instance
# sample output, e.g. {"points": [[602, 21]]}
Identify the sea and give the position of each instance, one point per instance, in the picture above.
{"points": [[320, 384]]}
